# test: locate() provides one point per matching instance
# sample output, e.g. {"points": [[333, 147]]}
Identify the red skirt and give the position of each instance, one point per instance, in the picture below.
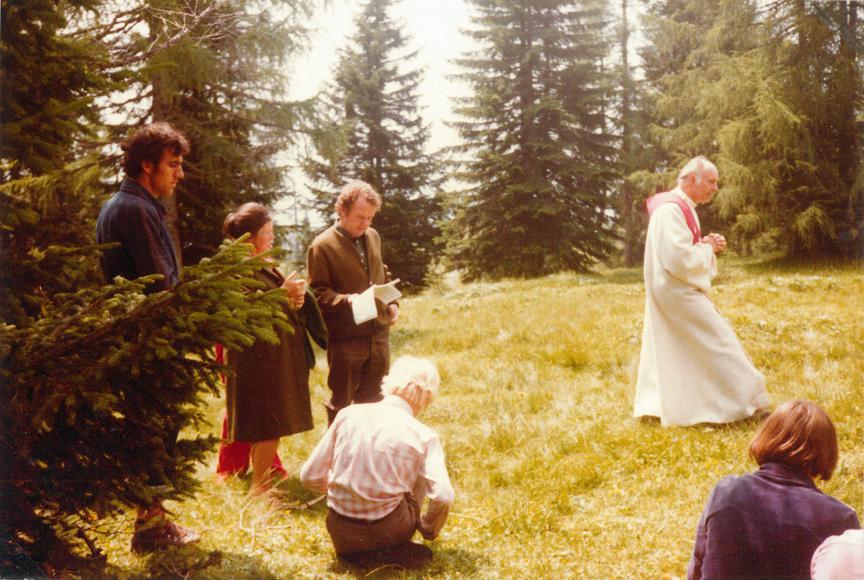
{"points": [[234, 457]]}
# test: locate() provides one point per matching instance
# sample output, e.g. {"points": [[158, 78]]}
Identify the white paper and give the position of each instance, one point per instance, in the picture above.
{"points": [[388, 292], [363, 305]]}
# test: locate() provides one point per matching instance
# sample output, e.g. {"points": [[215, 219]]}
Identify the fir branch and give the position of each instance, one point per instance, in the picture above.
{"points": [[188, 25]]}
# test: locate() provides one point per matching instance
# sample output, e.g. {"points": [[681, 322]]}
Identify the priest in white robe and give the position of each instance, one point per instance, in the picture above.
{"points": [[692, 369]]}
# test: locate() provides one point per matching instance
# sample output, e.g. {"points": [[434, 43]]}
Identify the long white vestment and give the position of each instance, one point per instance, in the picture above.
{"points": [[692, 369]]}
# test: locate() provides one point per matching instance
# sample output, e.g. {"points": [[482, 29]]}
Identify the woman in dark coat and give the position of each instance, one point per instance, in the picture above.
{"points": [[268, 384], [767, 524]]}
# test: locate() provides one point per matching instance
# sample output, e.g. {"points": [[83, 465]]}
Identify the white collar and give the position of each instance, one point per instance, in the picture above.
{"points": [[680, 193], [398, 401]]}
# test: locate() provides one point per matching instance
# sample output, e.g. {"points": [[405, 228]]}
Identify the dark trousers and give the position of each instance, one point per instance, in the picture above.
{"points": [[353, 536], [169, 442], [357, 366]]}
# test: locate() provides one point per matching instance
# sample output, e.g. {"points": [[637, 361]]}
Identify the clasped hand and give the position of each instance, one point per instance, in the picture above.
{"points": [[716, 241], [296, 290]]}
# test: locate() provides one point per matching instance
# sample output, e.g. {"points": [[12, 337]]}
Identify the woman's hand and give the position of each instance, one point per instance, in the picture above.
{"points": [[296, 290]]}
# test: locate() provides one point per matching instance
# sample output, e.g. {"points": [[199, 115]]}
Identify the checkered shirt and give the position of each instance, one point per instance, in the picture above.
{"points": [[371, 455]]}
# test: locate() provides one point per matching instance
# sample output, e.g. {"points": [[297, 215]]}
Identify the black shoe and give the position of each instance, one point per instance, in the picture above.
{"points": [[408, 555], [411, 555]]}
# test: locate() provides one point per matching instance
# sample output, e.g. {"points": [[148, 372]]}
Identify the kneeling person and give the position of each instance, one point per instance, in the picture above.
{"points": [[377, 463]]}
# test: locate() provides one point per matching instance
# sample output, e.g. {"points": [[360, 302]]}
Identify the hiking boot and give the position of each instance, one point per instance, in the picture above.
{"points": [[158, 533]]}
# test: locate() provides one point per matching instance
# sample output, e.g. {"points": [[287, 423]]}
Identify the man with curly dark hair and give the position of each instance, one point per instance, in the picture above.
{"points": [[134, 218]]}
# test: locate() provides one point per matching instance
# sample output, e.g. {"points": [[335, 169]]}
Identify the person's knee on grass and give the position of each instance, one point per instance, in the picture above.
{"points": [[372, 461]]}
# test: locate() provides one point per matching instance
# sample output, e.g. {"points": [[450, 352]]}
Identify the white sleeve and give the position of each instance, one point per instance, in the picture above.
{"points": [[438, 490], [693, 264], [315, 471]]}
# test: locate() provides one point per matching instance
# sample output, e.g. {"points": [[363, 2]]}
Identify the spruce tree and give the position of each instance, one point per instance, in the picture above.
{"points": [[47, 237], [536, 152], [49, 81], [823, 85], [373, 108], [218, 71], [675, 63], [90, 374], [88, 389], [50, 181], [848, 16], [769, 93]]}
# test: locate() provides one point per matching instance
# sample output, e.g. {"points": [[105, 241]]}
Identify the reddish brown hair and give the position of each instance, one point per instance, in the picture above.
{"points": [[352, 191], [799, 434], [246, 219], [148, 143]]}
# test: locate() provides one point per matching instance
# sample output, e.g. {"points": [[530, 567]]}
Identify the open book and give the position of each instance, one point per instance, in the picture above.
{"points": [[363, 305]]}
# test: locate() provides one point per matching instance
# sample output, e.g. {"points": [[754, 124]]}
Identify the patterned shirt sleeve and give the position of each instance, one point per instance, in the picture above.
{"points": [[439, 490], [314, 472]]}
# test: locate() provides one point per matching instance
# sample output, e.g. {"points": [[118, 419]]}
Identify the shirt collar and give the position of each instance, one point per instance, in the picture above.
{"points": [[680, 193], [345, 233], [398, 401], [780, 472], [129, 185]]}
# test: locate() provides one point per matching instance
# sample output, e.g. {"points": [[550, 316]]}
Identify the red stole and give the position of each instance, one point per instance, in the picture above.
{"points": [[656, 201]]}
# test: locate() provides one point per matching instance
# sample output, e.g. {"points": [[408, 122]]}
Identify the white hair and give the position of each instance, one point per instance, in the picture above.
{"points": [[414, 379], [696, 166]]}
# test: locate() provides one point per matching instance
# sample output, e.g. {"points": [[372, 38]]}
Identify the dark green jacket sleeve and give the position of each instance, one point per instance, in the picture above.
{"points": [[313, 322]]}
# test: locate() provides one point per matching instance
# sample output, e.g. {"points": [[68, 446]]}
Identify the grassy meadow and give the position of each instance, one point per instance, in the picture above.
{"points": [[553, 476]]}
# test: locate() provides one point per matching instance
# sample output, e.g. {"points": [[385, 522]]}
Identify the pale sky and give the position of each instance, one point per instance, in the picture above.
{"points": [[432, 28]]}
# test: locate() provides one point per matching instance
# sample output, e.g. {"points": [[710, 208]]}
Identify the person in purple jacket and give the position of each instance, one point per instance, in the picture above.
{"points": [[767, 524]]}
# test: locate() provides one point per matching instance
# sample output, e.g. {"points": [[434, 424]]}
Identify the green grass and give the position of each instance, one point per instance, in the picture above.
{"points": [[552, 474]]}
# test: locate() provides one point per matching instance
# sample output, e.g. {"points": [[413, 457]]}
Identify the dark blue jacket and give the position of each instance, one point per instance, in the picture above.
{"points": [[134, 218], [765, 524]]}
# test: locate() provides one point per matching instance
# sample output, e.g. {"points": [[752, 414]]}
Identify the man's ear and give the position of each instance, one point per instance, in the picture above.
{"points": [[147, 167]]}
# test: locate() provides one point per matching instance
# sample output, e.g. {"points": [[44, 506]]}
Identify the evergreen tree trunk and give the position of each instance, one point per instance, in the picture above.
{"points": [[627, 194], [159, 111], [850, 137]]}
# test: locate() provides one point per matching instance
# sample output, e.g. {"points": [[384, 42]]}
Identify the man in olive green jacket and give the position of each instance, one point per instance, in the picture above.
{"points": [[342, 262]]}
